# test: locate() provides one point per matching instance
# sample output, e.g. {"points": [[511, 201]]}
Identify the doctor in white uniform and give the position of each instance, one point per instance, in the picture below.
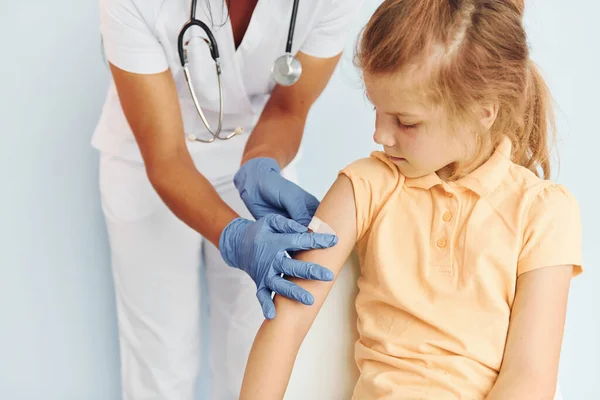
{"points": [[173, 204]]}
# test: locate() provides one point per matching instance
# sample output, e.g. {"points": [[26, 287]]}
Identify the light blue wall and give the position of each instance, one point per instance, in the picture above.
{"points": [[57, 318], [57, 332]]}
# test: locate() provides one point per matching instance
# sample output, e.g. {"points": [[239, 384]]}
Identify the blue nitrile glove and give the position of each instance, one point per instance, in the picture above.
{"points": [[259, 248], [265, 191]]}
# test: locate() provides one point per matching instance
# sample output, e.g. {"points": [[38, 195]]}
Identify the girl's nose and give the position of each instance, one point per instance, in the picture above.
{"points": [[384, 137]]}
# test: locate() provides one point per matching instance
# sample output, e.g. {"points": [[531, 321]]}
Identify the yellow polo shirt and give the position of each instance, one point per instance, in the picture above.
{"points": [[439, 265]]}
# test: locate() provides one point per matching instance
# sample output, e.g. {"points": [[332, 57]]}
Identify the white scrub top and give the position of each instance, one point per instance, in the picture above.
{"points": [[141, 36]]}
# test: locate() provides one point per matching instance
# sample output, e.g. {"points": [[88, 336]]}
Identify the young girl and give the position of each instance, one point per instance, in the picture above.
{"points": [[466, 253]]}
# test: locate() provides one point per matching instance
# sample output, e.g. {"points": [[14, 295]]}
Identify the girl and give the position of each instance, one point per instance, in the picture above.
{"points": [[466, 253]]}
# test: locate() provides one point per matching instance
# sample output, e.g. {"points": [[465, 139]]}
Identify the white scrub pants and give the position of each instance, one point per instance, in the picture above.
{"points": [[156, 261]]}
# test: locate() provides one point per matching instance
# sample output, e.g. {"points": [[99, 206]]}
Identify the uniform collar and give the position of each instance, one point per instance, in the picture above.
{"points": [[483, 181]]}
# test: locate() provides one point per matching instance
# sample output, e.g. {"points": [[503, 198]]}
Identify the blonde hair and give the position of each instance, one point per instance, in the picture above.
{"points": [[477, 53]]}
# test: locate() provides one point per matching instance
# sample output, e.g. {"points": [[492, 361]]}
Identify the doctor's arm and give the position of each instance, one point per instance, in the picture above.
{"points": [[277, 343], [149, 99], [274, 143], [280, 127], [285, 114], [151, 106], [276, 139]]}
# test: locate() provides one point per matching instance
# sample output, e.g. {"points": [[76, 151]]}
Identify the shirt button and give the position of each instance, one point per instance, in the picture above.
{"points": [[447, 216], [441, 243], [449, 195]]}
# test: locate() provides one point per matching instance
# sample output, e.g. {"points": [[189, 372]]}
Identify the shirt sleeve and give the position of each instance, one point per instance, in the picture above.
{"points": [[373, 181], [552, 232], [128, 40], [328, 37]]}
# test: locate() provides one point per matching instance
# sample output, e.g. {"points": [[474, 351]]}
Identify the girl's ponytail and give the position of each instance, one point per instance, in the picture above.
{"points": [[538, 121]]}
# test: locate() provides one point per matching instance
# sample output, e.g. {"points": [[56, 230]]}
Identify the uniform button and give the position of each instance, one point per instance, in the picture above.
{"points": [[447, 216], [441, 243]]}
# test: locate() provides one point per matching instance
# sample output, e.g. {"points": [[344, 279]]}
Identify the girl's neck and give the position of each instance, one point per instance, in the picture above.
{"points": [[461, 168]]}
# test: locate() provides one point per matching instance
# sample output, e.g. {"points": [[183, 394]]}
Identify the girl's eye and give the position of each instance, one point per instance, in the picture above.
{"points": [[405, 126]]}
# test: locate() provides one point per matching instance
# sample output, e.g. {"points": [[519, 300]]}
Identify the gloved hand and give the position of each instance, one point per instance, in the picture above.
{"points": [[259, 248], [265, 191]]}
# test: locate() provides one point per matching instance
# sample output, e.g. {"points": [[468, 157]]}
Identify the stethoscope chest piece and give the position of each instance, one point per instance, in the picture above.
{"points": [[286, 70]]}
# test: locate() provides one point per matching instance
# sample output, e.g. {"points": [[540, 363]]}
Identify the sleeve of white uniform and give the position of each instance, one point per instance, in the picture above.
{"points": [[128, 39], [328, 37]]}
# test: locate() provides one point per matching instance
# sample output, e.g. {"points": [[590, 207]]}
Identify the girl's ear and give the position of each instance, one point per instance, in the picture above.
{"points": [[489, 112]]}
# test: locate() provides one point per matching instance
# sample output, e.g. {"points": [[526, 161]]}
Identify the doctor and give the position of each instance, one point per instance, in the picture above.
{"points": [[172, 201]]}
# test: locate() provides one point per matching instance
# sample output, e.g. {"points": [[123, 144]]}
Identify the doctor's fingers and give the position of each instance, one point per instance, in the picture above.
{"points": [[303, 270], [299, 204], [290, 290], [266, 303], [306, 241], [311, 205], [281, 224]]}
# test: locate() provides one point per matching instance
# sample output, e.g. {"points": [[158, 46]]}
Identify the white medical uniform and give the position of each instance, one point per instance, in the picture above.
{"points": [[156, 258]]}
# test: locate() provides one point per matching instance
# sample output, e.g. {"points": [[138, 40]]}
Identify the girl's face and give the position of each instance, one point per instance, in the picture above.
{"points": [[414, 133]]}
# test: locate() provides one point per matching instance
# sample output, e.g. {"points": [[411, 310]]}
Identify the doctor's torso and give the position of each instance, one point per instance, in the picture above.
{"points": [[320, 30]]}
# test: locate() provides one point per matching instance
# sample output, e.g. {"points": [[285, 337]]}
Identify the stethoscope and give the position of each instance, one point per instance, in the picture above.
{"points": [[286, 70]]}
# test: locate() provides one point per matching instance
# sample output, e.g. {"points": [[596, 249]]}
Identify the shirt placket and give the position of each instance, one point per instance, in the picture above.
{"points": [[447, 207]]}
